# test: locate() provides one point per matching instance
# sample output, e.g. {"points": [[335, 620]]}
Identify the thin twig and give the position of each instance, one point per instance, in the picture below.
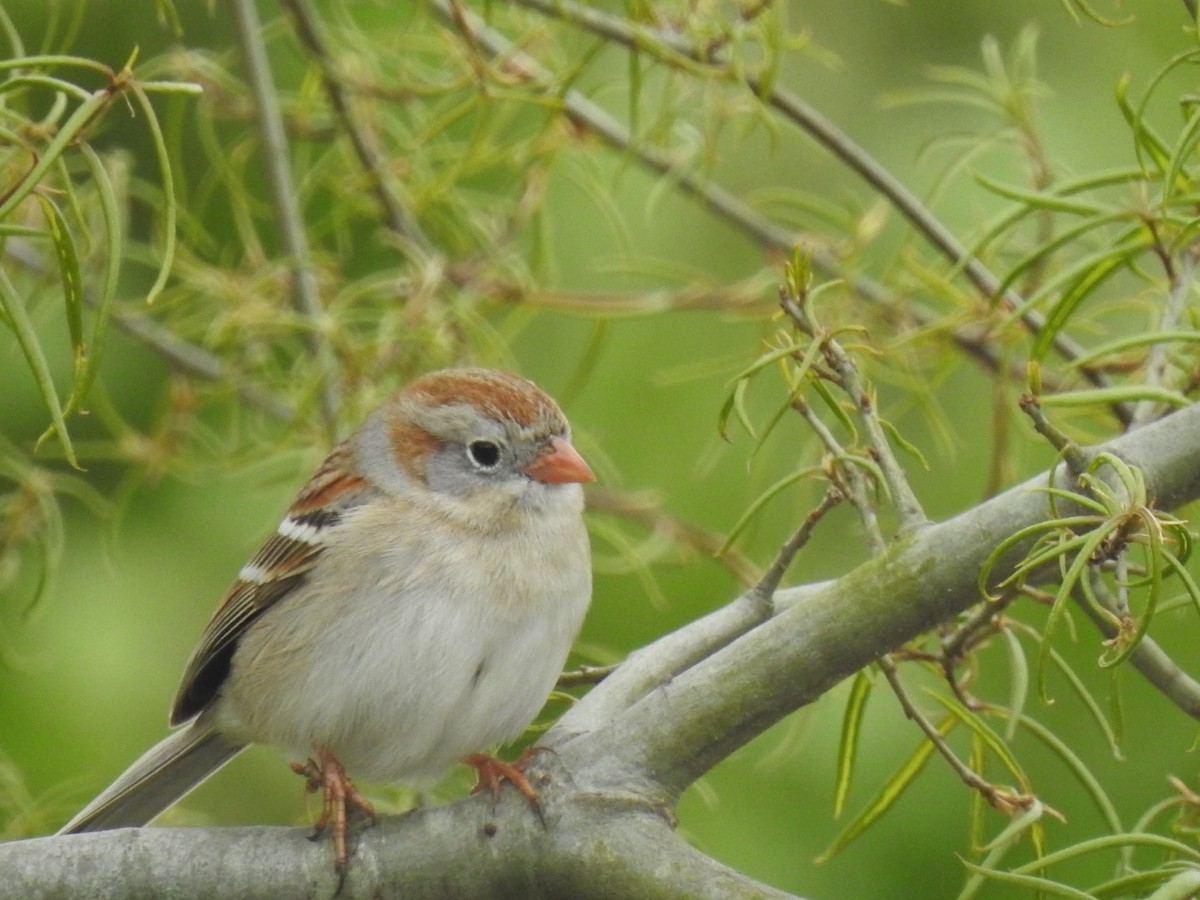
{"points": [[958, 643], [850, 479], [1179, 278], [585, 675], [183, 356], [764, 591], [199, 363], [644, 509], [1006, 801], [1155, 665], [842, 146], [588, 116], [366, 148], [1071, 452], [908, 507], [276, 159]]}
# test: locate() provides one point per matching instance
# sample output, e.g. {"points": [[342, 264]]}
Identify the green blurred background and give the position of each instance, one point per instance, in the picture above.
{"points": [[89, 676]]}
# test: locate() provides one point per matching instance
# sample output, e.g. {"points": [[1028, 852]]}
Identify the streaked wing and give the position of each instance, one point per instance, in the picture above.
{"points": [[279, 567]]}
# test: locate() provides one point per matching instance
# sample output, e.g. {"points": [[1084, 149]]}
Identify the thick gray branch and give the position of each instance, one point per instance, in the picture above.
{"points": [[661, 738], [591, 846], [624, 753]]}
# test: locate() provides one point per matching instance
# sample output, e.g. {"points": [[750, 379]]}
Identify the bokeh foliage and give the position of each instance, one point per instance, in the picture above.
{"points": [[610, 197]]}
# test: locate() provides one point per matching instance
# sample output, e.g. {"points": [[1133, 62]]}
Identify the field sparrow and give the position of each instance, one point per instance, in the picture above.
{"points": [[415, 606]]}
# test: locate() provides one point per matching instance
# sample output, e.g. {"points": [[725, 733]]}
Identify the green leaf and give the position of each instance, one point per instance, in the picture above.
{"points": [[761, 500], [1070, 577], [1018, 689], [168, 185], [26, 334], [994, 742], [1040, 200], [1081, 772], [1030, 884], [1089, 702], [888, 796], [66, 135], [1130, 342], [1094, 271], [68, 268], [1116, 394], [852, 718]]}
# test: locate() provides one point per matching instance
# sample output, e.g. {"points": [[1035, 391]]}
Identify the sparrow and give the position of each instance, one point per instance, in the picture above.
{"points": [[414, 607]]}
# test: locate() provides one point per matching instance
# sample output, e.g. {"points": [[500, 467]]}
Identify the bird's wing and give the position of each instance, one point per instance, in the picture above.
{"points": [[279, 567]]}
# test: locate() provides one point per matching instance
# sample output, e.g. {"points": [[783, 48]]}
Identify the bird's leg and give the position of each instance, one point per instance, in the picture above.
{"points": [[492, 771], [338, 791]]}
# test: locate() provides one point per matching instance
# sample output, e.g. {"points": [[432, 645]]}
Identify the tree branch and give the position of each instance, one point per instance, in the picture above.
{"points": [[276, 158], [691, 719], [625, 752], [591, 846]]}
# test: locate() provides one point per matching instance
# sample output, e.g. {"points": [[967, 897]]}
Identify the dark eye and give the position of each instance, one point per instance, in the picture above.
{"points": [[484, 454]]}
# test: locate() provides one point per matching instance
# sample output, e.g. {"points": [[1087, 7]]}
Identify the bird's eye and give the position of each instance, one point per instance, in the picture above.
{"points": [[484, 454]]}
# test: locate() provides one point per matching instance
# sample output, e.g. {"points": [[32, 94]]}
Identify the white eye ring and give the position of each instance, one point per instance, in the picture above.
{"points": [[484, 454]]}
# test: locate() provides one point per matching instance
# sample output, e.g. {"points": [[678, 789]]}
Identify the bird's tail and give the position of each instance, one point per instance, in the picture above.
{"points": [[163, 774]]}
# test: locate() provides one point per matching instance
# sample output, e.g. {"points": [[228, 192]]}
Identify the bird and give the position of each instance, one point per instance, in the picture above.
{"points": [[414, 607]]}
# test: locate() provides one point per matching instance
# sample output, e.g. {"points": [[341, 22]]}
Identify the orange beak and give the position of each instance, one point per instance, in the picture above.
{"points": [[560, 465]]}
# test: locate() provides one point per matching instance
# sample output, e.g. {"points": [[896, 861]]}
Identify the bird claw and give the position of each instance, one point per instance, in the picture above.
{"points": [[492, 771], [338, 793]]}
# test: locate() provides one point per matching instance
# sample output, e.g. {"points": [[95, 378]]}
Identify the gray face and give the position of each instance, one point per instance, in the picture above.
{"points": [[473, 451]]}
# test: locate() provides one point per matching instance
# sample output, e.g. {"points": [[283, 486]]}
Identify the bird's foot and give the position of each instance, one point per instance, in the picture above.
{"points": [[493, 771], [338, 793]]}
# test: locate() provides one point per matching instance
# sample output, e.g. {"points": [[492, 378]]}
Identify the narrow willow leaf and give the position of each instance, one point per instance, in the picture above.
{"points": [[979, 806], [1047, 549], [1116, 394], [1058, 608], [1002, 224], [1184, 886], [1020, 823], [834, 407], [776, 417], [1154, 562], [1045, 249], [67, 135], [1063, 311], [1077, 768], [1029, 532], [1076, 499], [761, 500], [811, 350], [1131, 342], [170, 211], [1109, 842], [1031, 883], [908, 447], [1140, 884], [852, 719], [1144, 137], [999, 846], [26, 334], [888, 796], [1018, 688], [872, 469], [68, 268], [1132, 478], [1037, 200], [735, 403], [1189, 583], [989, 737], [1090, 702]]}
